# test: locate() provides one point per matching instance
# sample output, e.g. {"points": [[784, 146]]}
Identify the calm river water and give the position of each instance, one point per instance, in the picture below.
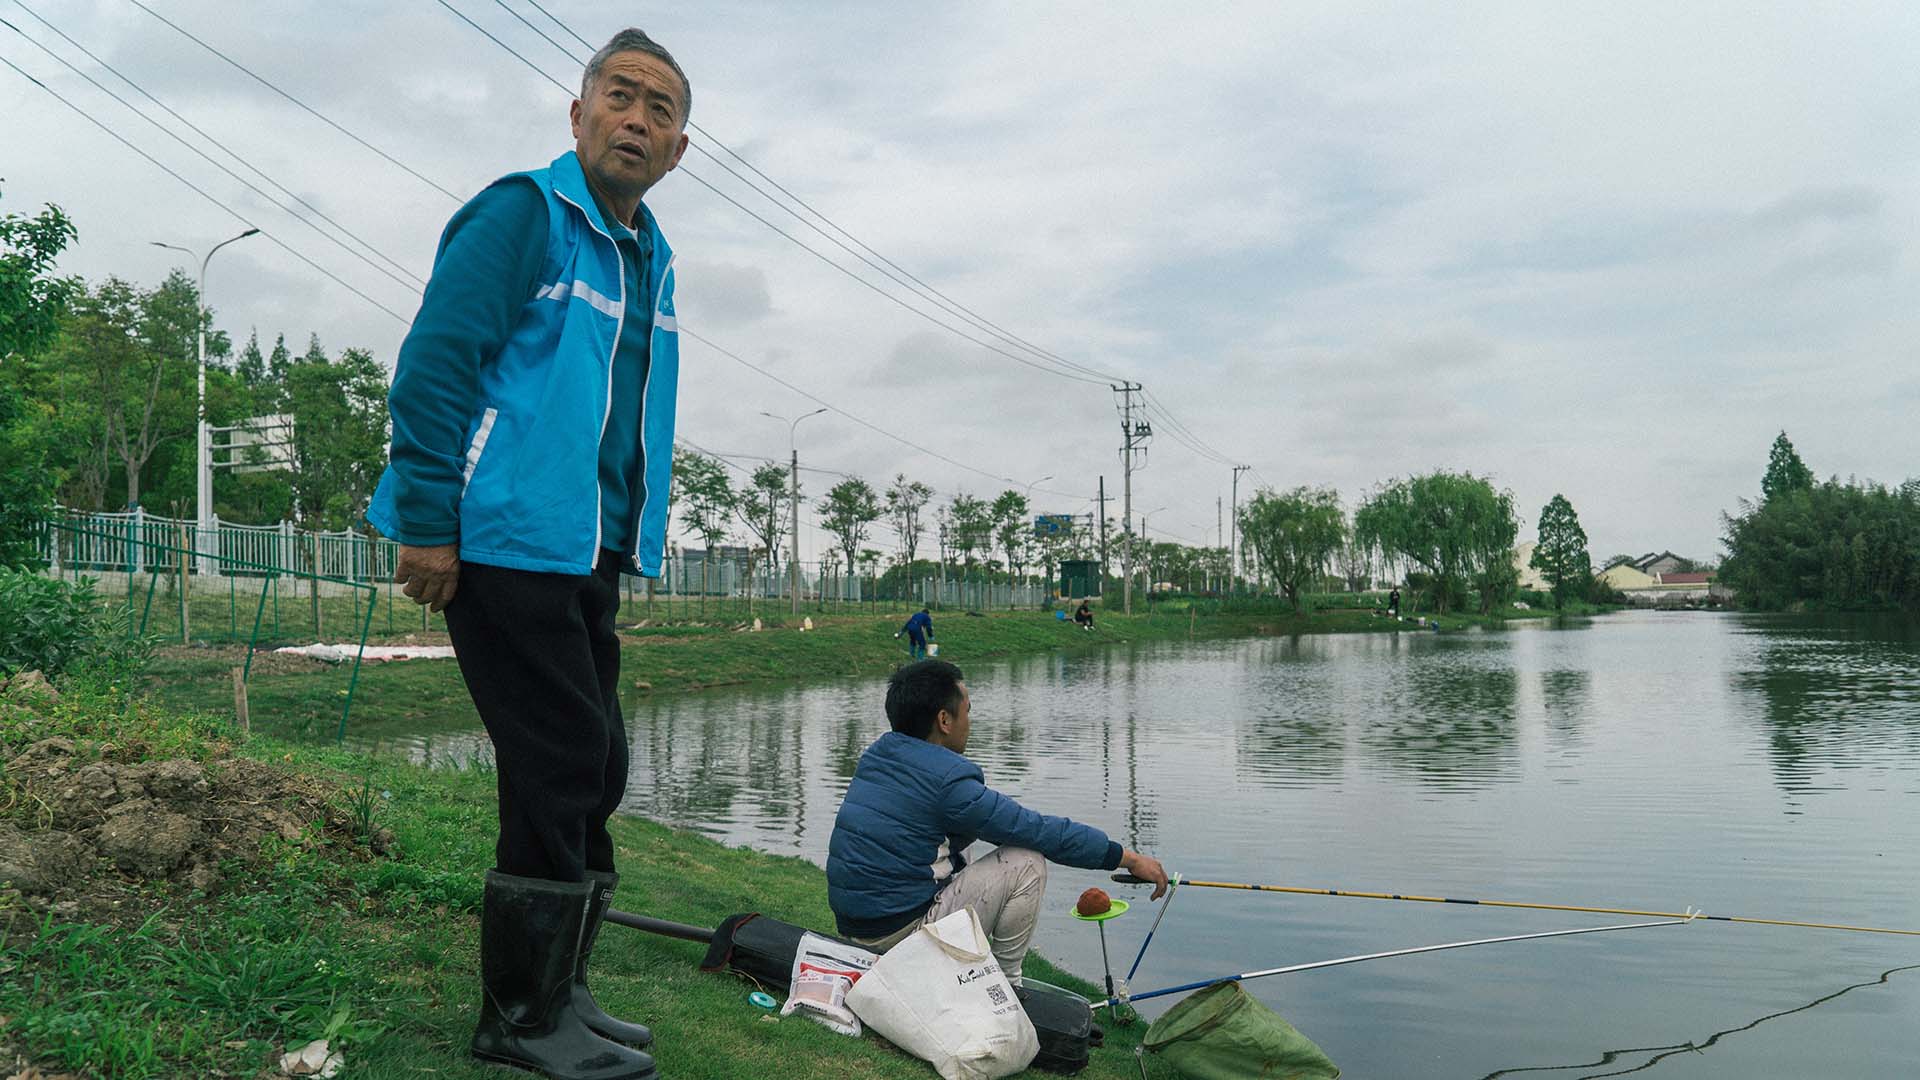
{"points": [[1740, 765]]}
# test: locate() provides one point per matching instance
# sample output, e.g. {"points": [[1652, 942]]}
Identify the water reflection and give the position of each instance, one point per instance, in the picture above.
{"points": [[1453, 725], [1639, 761], [1834, 694]]}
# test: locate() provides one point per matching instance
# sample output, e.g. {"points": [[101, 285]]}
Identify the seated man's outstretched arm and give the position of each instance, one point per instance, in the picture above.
{"points": [[970, 808]]}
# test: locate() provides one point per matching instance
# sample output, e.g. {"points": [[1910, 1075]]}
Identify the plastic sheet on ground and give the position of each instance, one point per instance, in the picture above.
{"points": [[334, 654]]}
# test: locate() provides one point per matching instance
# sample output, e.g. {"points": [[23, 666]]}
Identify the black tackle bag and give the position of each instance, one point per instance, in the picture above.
{"points": [[762, 950]]}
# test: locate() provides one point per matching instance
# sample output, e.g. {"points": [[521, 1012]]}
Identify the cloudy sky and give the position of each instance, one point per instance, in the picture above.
{"points": [[1602, 250]]}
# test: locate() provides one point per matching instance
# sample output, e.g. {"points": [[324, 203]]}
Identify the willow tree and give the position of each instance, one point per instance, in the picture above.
{"points": [[1293, 536], [1455, 527]]}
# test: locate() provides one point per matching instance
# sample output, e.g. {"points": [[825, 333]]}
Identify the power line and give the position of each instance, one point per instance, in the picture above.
{"points": [[910, 281], [196, 129], [396, 162], [90, 118], [796, 241], [685, 331], [168, 132]]}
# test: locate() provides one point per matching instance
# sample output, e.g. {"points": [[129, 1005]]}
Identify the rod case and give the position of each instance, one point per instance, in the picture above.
{"points": [[762, 949]]}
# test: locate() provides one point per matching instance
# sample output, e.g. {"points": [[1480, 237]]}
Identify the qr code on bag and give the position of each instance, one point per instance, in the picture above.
{"points": [[996, 995]]}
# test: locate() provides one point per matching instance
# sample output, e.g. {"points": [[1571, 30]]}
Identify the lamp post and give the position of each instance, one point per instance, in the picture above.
{"points": [[1027, 497], [1146, 554], [203, 460], [793, 501]]}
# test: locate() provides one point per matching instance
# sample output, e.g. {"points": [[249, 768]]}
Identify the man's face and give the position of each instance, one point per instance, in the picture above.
{"points": [[630, 129], [953, 727]]}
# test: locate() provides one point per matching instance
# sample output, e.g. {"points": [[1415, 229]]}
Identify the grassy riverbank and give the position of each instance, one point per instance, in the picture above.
{"points": [[299, 698], [350, 912]]}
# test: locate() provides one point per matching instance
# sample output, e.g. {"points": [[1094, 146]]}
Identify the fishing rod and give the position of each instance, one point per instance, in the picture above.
{"points": [[1129, 879], [1113, 1001]]}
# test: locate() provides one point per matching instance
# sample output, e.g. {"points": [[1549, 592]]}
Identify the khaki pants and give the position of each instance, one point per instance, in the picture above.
{"points": [[1004, 887]]}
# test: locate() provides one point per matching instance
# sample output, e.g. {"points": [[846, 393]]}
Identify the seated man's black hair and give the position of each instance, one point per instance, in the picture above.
{"points": [[918, 691]]}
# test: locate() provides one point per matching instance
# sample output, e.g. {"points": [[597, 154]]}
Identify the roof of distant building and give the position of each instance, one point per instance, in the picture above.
{"points": [[1703, 577]]}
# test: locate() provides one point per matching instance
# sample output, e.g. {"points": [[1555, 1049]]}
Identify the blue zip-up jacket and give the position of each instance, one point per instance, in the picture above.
{"points": [[904, 826], [501, 452]]}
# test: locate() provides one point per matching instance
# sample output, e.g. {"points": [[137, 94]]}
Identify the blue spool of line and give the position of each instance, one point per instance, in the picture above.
{"points": [[762, 1000]]}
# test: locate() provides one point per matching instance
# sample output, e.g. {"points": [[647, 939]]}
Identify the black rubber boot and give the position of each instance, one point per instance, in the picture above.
{"points": [[610, 1026], [530, 931]]}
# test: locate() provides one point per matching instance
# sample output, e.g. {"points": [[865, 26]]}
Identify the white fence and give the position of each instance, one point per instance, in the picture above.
{"points": [[107, 545]]}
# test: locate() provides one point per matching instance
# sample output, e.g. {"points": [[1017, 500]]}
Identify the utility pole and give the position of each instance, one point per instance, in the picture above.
{"points": [[1134, 434], [1103, 536], [1219, 536], [1233, 547], [793, 523]]}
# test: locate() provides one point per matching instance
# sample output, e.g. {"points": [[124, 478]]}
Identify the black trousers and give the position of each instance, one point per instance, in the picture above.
{"points": [[542, 661]]}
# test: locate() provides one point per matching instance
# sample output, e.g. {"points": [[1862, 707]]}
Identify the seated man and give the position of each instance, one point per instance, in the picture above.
{"points": [[1084, 616], [897, 857]]}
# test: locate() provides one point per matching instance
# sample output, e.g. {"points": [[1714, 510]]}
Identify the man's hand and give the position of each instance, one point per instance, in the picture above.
{"points": [[1146, 868], [429, 575]]}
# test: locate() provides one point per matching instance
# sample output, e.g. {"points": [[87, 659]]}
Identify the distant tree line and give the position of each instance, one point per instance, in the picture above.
{"points": [[1830, 545]]}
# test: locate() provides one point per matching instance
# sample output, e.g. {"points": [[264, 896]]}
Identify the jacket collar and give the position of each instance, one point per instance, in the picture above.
{"points": [[570, 181]]}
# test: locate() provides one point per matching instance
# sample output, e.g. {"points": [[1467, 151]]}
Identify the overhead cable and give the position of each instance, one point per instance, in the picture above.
{"points": [[396, 162], [911, 281], [56, 95], [415, 286], [196, 129], [796, 241]]}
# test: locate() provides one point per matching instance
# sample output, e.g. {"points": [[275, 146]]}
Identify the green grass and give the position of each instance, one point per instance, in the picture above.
{"points": [[302, 700], [319, 937]]}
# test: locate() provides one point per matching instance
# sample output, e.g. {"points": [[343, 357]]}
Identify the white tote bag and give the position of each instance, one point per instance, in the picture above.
{"points": [[941, 996]]}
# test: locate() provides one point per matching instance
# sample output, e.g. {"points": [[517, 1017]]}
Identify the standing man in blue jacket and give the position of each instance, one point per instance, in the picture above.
{"points": [[897, 857], [533, 409]]}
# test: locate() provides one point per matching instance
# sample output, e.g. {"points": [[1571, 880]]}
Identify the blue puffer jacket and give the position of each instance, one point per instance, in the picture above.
{"points": [[508, 455], [906, 821]]}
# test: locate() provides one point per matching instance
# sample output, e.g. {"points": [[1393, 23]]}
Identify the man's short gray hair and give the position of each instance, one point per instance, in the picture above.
{"points": [[633, 39]]}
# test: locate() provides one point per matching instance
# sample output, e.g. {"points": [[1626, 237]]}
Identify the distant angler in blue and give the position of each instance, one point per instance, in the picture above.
{"points": [[533, 424]]}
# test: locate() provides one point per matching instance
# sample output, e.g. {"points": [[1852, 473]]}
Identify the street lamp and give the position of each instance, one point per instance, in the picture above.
{"points": [[793, 500], [203, 461], [1028, 497]]}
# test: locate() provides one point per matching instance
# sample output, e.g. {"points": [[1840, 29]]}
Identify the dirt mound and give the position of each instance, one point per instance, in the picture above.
{"points": [[75, 817]]}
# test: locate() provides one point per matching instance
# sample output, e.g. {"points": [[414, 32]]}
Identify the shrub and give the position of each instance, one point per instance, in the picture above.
{"points": [[58, 628]]}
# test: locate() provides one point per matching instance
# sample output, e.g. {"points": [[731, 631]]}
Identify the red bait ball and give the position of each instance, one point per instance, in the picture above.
{"points": [[1094, 902]]}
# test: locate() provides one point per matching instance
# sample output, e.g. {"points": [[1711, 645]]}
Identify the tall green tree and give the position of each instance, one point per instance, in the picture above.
{"points": [[32, 300], [763, 505], [1561, 552], [1456, 527], [849, 509], [1010, 527], [1293, 536], [1785, 471], [339, 410], [905, 499], [139, 396], [970, 522], [707, 502]]}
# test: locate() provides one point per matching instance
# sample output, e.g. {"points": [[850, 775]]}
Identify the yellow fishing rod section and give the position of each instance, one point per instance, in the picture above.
{"points": [[1129, 879]]}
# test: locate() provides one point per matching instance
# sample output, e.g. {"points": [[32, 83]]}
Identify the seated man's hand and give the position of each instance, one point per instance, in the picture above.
{"points": [[429, 575], [1146, 868]]}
